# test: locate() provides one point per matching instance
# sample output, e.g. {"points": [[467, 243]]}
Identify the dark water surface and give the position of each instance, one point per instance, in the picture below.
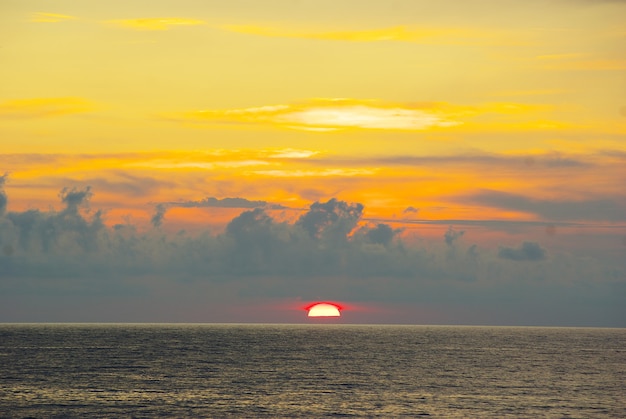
{"points": [[146, 371]]}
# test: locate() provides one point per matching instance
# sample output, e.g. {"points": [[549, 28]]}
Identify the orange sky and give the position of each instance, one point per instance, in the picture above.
{"points": [[294, 103]]}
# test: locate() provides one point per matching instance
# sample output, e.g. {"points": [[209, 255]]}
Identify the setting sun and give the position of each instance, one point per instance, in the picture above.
{"points": [[324, 310]]}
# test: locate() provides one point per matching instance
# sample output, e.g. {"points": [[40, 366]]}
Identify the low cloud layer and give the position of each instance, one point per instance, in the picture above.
{"points": [[528, 251], [330, 251]]}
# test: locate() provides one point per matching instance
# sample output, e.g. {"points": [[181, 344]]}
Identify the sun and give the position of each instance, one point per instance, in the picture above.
{"points": [[324, 310]]}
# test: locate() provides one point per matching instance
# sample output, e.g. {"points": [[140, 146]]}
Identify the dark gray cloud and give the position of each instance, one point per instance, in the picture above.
{"points": [[410, 210], [527, 251], [332, 220], [226, 203], [159, 214], [73, 243], [75, 198], [583, 209], [381, 234], [451, 235], [55, 233], [3, 195]]}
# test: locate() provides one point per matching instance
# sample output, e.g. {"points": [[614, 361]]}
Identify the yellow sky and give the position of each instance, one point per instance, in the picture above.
{"points": [[389, 103]]}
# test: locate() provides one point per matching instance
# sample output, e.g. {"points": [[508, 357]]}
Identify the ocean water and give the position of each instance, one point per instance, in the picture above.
{"points": [[322, 370]]}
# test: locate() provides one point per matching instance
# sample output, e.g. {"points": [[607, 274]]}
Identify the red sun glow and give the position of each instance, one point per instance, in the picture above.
{"points": [[324, 310]]}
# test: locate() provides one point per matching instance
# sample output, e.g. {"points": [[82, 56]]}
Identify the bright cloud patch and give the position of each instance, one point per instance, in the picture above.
{"points": [[333, 114], [290, 153], [365, 117], [155, 24]]}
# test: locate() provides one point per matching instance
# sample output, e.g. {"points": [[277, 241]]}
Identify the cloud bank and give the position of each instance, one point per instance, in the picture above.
{"points": [[330, 251]]}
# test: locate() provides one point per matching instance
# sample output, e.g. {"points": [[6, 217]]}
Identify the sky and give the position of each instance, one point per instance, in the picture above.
{"points": [[415, 162]]}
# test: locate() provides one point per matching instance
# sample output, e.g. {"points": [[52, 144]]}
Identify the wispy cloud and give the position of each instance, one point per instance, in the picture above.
{"points": [[42, 17], [579, 61], [212, 202], [426, 35], [396, 33], [336, 114], [155, 24], [317, 173], [538, 161], [530, 92], [589, 65], [208, 165], [603, 209], [43, 107], [332, 115]]}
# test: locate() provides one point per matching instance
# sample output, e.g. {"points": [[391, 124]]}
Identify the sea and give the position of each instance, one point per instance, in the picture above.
{"points": [[310, 371]]}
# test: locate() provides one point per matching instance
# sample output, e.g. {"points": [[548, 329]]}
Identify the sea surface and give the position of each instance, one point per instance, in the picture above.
{"points": [[321, 370]]}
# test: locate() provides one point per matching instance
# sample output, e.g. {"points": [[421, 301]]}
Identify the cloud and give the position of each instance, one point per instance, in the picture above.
{"points": [[155, 24], [331, 115], [335, 114], [381, 234], [583, 209], [364, 116], [531, 92], [291, 153], [579, 62], [398, 33], [159, 214], [55, 234], [3, 195], [226, 203], [590, 65], [423, 35], [334, 172], [452, 236], [491, 224], [51, 17], [528, 251], [538, 161], [119, 182], [75, 198], [43, 107], [207, 165], [332, 220], [330, 251]]}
